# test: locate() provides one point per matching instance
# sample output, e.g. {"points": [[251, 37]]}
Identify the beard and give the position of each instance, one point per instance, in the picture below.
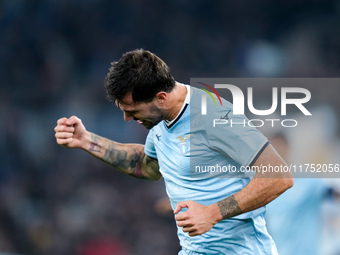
{"points": [[157, 117], [150, 124]]}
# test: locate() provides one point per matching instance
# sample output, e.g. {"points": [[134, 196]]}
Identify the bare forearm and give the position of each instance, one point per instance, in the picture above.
{"points": [[127, 158], [229, 207], [262, 189], [258, 193]]}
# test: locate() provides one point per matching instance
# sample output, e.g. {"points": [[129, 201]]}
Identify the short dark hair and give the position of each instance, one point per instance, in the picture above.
{"points": [[140, 73]]}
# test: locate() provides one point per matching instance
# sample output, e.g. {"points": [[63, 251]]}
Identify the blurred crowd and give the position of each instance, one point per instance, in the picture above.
{"points": [[54, 55]]}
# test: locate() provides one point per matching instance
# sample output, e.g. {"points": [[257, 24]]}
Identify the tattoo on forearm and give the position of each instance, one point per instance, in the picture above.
{"points": [[128, 159], [137, 164], [152, 168], [94, 146], [229, 207], [119, 158]]}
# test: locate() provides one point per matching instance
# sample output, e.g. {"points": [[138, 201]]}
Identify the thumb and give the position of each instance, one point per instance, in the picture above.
{"points": [[180, 205], [72, 121]]}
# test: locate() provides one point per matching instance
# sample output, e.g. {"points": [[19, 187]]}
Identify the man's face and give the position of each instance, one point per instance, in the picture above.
{"points": [[146, 114]]}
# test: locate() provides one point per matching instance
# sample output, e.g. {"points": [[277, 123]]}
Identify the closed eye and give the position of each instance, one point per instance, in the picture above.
{"points": [[131, 112]]}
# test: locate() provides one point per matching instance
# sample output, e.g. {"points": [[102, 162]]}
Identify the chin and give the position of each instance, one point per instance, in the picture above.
{"points": [[150, 125]]}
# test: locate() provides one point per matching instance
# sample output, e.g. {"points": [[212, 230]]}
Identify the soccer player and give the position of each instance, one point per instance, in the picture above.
{"points": [[221, 212]]}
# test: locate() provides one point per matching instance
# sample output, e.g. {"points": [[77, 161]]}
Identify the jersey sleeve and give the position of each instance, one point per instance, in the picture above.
{"points": [[149, 147], [234, 137]]}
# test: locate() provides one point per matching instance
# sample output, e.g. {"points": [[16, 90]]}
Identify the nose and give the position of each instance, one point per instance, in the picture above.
{"points": [[128, 117]]}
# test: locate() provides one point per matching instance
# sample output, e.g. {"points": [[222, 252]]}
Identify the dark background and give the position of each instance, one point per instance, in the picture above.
{"points": [[54, 55]]}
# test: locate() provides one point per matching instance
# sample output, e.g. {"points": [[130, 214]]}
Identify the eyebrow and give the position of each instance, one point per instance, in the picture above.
{"points": [[118, 105], [129, 111]]}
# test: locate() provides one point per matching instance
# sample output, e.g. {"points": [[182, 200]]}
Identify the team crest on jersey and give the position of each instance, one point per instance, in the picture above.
{"points": [[184, 144]]}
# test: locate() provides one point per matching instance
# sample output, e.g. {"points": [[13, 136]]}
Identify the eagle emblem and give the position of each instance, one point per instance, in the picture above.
{"points": [[184, 144]]}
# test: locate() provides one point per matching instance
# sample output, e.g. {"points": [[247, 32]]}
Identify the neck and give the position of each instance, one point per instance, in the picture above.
{"points": [[176, 100]]}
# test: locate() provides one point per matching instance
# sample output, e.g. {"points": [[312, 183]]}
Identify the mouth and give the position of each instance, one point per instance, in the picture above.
{"points": [[139, 121], [146, 124], [143, 122]]}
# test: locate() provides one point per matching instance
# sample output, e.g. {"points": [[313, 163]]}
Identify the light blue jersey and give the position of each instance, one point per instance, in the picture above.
{"points": [[194, 157]]}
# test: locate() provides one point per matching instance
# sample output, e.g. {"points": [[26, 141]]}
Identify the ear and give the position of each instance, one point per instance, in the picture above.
{"points": [[161, 98]]}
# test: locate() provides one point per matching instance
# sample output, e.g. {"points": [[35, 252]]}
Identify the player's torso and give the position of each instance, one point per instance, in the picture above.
{"points": [[184, 156]]}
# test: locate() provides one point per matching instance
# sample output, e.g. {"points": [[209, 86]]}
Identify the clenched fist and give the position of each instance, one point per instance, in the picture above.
{"points": [[70, 132]]}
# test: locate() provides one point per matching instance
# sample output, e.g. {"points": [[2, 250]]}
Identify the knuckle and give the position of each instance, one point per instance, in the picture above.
{"points": [[61, 120], [75, 118]]}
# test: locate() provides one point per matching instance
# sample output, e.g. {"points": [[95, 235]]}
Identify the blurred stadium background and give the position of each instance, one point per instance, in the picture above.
{"points": [[54, 55]]}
